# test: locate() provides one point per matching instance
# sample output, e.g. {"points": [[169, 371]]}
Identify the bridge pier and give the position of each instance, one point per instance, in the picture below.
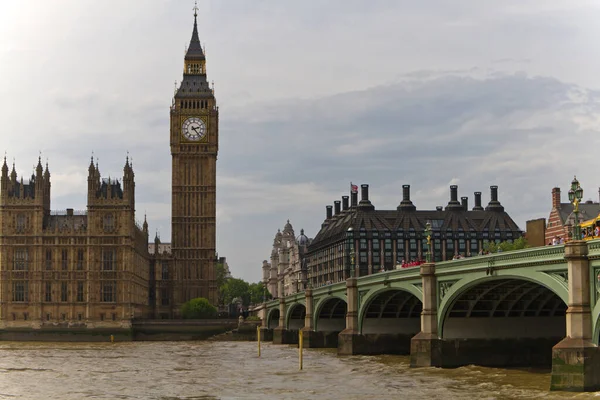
{"points": [[266, 334], [576, 359], [310, 338], [280, 333], [426, 346], [349, 340]]}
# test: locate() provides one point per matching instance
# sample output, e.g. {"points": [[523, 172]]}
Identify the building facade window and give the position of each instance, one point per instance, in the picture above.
{"points": [[474, 246], [21, 259], [165, 271], [64, 293], [80, 292], [20, 225], [164, 297], [109, 292], [109, 259], [48, 262], [412, 243], [48, 292], [80, 259], [64, 259], [21, 291], [109, 223]]}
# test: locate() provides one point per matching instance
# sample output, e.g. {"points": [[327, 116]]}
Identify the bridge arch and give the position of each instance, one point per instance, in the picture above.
{"points": [[461, 287], [503, 320], [391, 315], [296, 313], [375, 292], [273, 318], [330, 314], [596, 314]]}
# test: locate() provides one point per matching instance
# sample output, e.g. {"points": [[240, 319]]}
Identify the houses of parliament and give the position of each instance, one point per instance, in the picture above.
{"points": [[97, 268]]}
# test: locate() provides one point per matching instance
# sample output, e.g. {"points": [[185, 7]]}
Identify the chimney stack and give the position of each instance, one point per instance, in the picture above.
{"points": [[353, 199], [329, 211], [337, 204], [556, 198], [464, 202], [454, 204], [406, 203], [478, 206], [365, 203], [345, 203], [494, 204]]}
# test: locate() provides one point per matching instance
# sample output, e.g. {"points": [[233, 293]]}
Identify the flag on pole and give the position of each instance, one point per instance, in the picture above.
{"points": [[353, 188]]}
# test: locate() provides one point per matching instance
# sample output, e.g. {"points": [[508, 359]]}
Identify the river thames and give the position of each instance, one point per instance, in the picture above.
{"points": [[232, 370]]}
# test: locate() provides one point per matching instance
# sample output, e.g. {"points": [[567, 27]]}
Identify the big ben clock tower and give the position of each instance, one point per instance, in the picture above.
{"points": [[194, 146]]}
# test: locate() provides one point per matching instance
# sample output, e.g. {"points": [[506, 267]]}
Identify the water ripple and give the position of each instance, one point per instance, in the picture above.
{"points": [[231, 371]]}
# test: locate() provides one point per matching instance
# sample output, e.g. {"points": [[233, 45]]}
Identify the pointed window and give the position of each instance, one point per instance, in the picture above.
{"points": [[21, 223], [48, 260]]}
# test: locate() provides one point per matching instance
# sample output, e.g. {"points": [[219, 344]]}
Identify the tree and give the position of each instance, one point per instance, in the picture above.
{"points": [[220, 279], [517, 244], [257, 291], [198, 308], [234, 288]]}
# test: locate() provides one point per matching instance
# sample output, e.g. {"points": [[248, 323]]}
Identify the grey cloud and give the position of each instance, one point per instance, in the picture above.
{"points": [[385, 92], [509, 130]]}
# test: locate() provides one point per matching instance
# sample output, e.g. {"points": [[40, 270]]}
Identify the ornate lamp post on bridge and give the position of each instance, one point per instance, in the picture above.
{"points": [[428, 235], [575, 196], [350, 243]]}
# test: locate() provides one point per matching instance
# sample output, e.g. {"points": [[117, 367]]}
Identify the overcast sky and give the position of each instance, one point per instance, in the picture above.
{"points": [[313, 94]]}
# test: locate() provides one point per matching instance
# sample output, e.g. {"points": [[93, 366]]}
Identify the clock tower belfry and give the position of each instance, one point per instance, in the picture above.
{"points": [[194, 145]]}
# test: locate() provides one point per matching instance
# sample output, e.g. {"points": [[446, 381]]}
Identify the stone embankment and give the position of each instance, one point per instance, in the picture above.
{"points": [[246, 331]]}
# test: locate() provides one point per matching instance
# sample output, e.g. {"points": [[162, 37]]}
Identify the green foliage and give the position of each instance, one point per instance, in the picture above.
{"points": [[517, 244], [236, 288], [220, 280], [253, 318], [258, 292], [230, 289], [198, 308]]}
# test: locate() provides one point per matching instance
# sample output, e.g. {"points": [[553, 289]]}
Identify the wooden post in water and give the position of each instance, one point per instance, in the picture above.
{"points": [[300, 346], [258, 338]]}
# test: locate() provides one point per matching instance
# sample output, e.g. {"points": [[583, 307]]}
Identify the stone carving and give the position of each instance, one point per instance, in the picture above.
{"points": [[444, 287], [561, 277]]}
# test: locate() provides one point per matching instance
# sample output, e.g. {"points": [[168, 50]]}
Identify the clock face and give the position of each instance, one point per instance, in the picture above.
{"points": [[193, 129]]}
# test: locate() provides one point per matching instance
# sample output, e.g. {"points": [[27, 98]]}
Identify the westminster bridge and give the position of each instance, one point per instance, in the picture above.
{"points": [[531, 307]]}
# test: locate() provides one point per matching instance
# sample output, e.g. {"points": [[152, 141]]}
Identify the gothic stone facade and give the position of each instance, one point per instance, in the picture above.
{"points": [[95, 268], [286, 274], [194, 143], [75, 268], [359, 236]]}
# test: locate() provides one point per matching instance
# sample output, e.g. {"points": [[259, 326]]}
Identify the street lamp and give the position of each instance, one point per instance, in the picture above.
{"points": [[575, 196], [350, 241], [428, 234]]}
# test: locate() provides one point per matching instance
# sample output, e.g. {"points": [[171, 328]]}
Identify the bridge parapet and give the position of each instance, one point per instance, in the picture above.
{"points": [[533, 256], [594, 249]]}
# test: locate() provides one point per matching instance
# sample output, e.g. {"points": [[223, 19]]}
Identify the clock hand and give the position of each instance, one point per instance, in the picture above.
{"points": [[195, 128]]}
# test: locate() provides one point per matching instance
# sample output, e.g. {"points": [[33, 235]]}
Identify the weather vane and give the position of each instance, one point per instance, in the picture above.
{"points": [[195, 8]]}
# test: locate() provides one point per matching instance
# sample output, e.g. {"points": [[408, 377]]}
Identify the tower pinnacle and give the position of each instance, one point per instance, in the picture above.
{"points": [[194, 52]]}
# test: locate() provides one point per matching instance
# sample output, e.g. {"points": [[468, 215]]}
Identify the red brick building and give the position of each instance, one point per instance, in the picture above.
{"points": [[561, 217]]}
